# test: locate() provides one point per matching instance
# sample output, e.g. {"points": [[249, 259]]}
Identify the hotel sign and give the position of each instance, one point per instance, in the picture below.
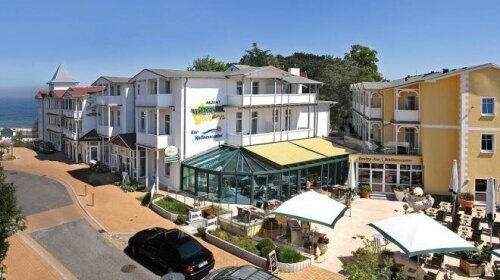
{"points": [[207, 117], [387, 159]]}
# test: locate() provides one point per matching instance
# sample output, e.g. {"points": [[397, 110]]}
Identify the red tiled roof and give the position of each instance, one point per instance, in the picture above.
{"points": [[80, 91], [41, 94], [57, 93]]}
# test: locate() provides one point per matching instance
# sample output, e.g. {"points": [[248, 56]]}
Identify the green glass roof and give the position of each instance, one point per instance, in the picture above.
{"points": [[229, 159]]}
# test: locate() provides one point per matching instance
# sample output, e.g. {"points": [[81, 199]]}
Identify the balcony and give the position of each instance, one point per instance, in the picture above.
{"points": [[54, 127], [70, 134], [109, 100], [270, 99], [253, 139], [154, 141], [374, 147], [72, 114], [54, 111], [155, 100], [373, 113], [107, 131], [407, 115]]}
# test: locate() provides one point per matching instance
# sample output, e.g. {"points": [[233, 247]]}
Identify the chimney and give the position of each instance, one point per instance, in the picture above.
{"points": [[294, 71]]}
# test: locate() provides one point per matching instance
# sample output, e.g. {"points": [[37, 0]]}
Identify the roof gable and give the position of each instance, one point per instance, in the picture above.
{"points": [[62, 75]]}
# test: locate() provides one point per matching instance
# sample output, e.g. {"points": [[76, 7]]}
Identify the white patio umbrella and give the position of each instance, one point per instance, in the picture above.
{"points": [[496, 252], [491, 203], [312, 207], [351, 177], [418, 234], [454, 189]]}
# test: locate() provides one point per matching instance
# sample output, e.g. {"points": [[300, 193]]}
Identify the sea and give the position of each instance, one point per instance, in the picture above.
{"points": [[18, 112]]}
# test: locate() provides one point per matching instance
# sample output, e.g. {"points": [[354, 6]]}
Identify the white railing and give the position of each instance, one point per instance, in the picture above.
{"points": [[70, 134], [107, 131], [271, 99], [72, 114], [160, 100], [109, 100], [268, 137], [54, 127], [373, 113], [54, 111], [407, 115], [151, 140]]}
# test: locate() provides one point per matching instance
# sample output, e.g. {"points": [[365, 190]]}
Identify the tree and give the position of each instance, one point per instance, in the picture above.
{"points": [[17, 139], [366, 60], [258, 57], [11, 217], [207, 63]]}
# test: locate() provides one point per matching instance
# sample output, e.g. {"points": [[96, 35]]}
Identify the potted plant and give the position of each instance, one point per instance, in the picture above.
{"points": [[474, 263], [399, 192], [323, 244], [364, 191], [466, 199]]}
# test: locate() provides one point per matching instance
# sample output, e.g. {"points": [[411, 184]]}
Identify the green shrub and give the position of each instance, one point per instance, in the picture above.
{"points": [[265, 242], [247, 244], [264, 252], [201, 231], [222, 234], [181, 219], [128, 188], [172, 205], [288, 254], [466, 196]]}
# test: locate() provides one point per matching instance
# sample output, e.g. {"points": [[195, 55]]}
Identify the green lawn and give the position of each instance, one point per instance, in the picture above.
{"points": [[172, 205]]}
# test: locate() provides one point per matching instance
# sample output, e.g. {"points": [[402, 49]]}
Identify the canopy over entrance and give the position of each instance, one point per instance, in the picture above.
{"points": [[312, 207], [418, 234]]}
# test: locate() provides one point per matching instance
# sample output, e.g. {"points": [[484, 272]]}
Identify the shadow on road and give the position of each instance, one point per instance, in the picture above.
{"points": [[146, 263]]}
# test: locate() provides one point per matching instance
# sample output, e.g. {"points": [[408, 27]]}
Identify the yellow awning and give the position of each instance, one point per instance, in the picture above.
{"points": [[297, 151], [322, 146]]}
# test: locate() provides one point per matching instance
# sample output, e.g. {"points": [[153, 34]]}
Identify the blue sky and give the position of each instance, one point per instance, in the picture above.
{"points": [[94, 38]]}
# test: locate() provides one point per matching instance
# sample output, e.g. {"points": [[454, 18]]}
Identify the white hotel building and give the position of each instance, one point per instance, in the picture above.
{"points": [[243, 135]]}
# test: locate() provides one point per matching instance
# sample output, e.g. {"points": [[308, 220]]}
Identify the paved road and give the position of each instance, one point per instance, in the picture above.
{"points": [[36, 194], [86, 253], [75, 244]]}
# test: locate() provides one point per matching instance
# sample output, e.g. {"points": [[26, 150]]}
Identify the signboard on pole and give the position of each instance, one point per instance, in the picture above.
{"points": [[272, 261]]}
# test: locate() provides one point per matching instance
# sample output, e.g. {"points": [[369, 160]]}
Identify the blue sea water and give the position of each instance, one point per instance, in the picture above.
{"points": [[18, 112]]}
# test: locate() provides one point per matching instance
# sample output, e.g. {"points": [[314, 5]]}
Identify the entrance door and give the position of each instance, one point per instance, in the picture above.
{"points": [[377, 179], [142, 163], [93, 153]]}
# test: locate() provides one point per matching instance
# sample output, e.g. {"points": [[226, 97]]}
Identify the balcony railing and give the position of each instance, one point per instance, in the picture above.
{"points": [[54, 127], [154, 141], [70, 134], [107, 131], [54, 111], [407, 115], [374, 147], [268, 137], [155, 100], [72, 114], [373, 113], [271, 99], [109, 100]]}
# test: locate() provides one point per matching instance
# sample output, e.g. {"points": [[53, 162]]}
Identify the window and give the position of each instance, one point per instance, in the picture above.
{"points": [[155, 87], [239, 122], [167, 87], [288, 114], [112, 118], [411, 103], [254, 122], [487, 143], [488, 106], [138, 88], [118, 90], [143, 121], [255, 87], [167, 124], [276, 115], [118, 119], [112, 90], [480, 189], [239, 87], [167, 169]]}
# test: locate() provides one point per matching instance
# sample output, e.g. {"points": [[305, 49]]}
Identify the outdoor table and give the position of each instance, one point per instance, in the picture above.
{"points": [[431, 211], [465, 230], [480, 212], [466, 219], [445, 205], [338, 191]]}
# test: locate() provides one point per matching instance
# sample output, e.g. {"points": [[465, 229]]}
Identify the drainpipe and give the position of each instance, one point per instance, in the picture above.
{"points": [[183, 122]]}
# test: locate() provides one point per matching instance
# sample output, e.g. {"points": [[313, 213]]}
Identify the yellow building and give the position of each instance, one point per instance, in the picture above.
{"points": [[411, 129]]}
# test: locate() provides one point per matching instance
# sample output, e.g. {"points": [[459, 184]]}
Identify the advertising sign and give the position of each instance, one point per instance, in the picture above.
{"points": [[207, 118]]}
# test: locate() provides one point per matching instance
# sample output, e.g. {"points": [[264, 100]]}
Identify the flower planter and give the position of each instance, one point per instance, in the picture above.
{"points": [[400, 195], [472, 269], [322, 248], [466, 203], [364, 194]]}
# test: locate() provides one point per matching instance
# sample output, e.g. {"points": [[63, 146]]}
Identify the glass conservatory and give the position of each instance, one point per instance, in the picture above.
{"points": [[246, 175]]}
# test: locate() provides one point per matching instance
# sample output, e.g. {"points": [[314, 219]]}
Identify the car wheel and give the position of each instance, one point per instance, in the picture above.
{"points": [[133, 251]]}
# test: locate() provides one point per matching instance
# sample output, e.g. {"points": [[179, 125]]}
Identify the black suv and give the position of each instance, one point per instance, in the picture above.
{"points": [[174, 250], [246, 272], [47, 148]]}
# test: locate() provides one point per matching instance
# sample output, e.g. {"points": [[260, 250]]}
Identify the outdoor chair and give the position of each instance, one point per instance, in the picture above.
{"points": [[259, 204], [240, 212], [496, 269], [437, 260], [476, 235], [468, 211], [475, 223], [431, 276], [496, 228], [440, 216]]}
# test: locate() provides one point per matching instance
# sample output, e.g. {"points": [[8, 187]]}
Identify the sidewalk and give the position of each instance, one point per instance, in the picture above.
{"points": [[117, 212]]}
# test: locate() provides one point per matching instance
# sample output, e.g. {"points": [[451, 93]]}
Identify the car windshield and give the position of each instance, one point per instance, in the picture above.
{"points": [[188, 248]]}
